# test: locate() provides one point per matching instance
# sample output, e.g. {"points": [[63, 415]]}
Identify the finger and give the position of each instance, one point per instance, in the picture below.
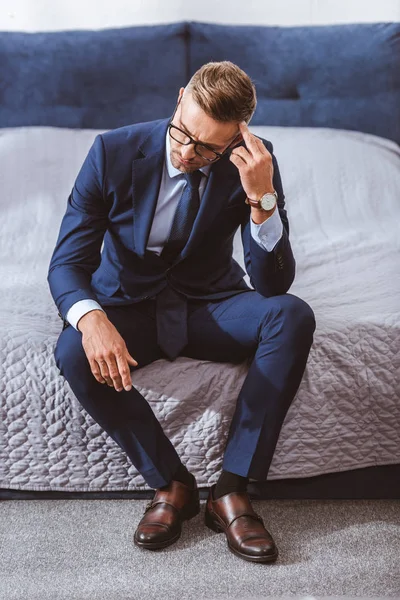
{"points": [[124, 371], [243, 154], [131, 360], [236, 160], [114, 372], [96, 371], [261, 145], [104, 371], [249, 138]]}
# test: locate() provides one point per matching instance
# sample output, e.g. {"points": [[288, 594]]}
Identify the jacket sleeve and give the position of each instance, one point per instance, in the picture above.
{"points": [[270, 272], [77, 253]]}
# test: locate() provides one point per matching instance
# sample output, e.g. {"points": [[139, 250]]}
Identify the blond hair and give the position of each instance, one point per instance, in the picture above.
{"points": [[223, 91]]}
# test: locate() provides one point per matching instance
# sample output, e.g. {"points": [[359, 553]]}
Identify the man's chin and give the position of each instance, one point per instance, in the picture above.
{"points": [[182, 167]]}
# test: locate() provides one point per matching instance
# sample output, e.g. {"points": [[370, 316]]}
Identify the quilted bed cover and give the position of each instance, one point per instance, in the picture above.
{"points": [[342, 199]]}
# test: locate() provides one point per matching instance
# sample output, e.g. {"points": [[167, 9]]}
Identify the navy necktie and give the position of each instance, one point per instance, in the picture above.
{"points": [[184, 217], [171, 306]]}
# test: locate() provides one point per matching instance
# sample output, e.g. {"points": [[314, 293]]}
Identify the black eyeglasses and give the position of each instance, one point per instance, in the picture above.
{"points": [[202, 150]]}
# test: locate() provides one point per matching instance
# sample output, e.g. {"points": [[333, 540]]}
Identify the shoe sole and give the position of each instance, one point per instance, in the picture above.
{"points": [[211, 524], [187, 513]]}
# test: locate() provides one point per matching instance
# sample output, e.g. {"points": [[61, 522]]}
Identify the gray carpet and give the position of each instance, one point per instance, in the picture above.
{"points": [[83, 549]]}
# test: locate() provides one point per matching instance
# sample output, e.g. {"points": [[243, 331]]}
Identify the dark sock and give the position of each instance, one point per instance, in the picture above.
{"points": [[229, 482], [184, 476]]}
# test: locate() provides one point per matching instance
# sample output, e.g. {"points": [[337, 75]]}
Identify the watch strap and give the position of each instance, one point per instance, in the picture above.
{"points": [[257, 203]]}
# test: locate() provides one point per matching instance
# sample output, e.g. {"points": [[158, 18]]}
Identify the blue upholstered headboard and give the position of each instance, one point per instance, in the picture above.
{"points": [[340, 76]]}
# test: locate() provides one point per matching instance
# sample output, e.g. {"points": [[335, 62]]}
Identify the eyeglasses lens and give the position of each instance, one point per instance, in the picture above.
{"points": [[182, 138]]}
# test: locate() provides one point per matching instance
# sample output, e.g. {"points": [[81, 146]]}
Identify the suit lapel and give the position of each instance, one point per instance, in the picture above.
{"points": [[222, 177], [146, 179]]}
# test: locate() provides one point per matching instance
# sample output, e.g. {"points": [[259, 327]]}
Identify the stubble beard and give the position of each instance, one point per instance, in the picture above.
{"points": [[184, 169]]}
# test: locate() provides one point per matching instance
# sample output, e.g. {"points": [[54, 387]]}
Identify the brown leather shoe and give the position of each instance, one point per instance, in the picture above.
{"points": [[244, 528], [161, 524]]}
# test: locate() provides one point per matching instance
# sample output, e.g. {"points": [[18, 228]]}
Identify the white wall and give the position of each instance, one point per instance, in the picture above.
{"points": [[46, 15]]}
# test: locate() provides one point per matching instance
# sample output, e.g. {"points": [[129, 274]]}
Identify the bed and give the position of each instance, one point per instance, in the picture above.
{"points": [[337, 142]]}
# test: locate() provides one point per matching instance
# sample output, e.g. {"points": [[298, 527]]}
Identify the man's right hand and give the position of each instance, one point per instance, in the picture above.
{"points": [[106, 350]]}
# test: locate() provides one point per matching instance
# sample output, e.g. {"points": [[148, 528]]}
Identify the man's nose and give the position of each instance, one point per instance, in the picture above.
{"points": [[187, 152]]}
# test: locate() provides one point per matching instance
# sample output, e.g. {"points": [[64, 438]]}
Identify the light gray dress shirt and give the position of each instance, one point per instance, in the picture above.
{"points": [[266, 234]]}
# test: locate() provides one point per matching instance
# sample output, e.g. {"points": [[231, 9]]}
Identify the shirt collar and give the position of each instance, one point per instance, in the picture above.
{"points": [[172, 172]]}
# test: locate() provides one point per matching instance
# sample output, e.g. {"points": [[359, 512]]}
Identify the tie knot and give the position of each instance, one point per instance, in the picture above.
{"points": [[193, 178]]}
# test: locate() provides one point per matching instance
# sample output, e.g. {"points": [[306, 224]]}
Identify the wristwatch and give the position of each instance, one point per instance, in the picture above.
{"points": [[266, 202]]}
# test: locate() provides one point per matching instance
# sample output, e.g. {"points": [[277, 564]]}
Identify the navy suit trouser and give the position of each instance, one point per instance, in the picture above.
{"points": [[276, 333]]}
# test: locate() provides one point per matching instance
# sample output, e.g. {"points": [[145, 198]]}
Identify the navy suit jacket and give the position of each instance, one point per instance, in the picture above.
{"points": [[113, 200]]}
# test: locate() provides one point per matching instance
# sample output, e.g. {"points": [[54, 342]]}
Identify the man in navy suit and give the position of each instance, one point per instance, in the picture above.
{"points": [[166, 198]]}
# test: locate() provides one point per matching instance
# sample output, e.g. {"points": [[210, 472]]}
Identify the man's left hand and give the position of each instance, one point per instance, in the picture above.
{"points": [[255, 165]]}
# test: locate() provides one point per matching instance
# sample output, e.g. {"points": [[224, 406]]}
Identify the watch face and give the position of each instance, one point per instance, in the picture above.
{"points": [[268, 201]]}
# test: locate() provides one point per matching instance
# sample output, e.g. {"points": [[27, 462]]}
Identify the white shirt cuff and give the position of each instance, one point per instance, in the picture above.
{"points": [[268, 233], [79, 309]]}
